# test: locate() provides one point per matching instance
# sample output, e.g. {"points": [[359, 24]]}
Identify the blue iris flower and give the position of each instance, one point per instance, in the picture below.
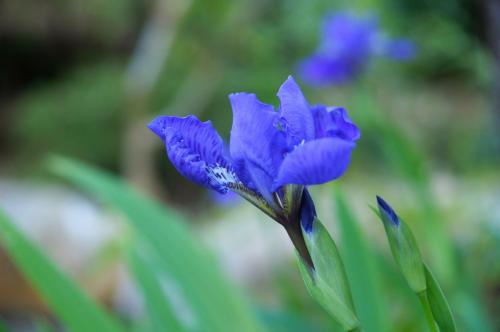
{"points": [[273, 154], [348, 43]]}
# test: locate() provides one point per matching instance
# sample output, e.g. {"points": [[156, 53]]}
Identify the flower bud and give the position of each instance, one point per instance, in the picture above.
{"points": [[403, 246], [327, 281]]}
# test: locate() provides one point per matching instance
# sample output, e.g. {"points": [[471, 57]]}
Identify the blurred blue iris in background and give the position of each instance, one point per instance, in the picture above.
{"points": [[348, 43]]}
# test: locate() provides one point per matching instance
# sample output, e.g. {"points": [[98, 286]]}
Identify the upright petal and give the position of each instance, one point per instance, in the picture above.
{"points": [[257, 146], [334, 122], [315, 162], [196, 150], [294, 110]]}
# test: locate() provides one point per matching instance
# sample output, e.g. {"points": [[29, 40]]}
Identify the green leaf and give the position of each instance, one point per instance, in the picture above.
{"points": [[160, 312], [73, 307], [215, 303], [439, 305], [327, 283], [362, 272]]}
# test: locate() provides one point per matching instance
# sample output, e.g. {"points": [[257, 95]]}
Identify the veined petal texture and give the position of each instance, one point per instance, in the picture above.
{"points": [[334, 122], [196, 150], [257, 146], [315, 162], [296, 117]]}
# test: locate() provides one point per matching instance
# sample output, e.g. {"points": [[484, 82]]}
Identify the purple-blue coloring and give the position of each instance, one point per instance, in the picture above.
{"points": [[273, 153], [348, 43], [387, 211], [297, 144]]}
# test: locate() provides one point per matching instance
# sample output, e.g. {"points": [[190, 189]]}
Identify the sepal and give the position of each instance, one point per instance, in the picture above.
{"points": [[326, 297]]}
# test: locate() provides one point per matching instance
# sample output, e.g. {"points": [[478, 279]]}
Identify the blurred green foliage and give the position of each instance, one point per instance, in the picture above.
{"points": [[362, 270], [81, 115], [64, 297], [167, 259]]}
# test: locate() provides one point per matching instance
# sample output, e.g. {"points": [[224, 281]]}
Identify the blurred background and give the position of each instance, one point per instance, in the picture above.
{"points": [[82, 79]]}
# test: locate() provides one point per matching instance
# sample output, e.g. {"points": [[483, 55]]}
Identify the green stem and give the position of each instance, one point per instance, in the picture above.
{"points": [[295, 234], [356, 329], [427, 311]]}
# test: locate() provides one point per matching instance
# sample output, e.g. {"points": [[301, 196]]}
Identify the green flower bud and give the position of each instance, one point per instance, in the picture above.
{"points": [[327, 281], [403, 246]]}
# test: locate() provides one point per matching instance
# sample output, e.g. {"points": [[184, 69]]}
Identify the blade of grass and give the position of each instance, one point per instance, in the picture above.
{"points": [[361, 270], [160, 312], [216, 304], [71, 305]]}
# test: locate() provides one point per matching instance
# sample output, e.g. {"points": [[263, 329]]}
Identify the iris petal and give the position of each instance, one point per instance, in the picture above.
{"points": [[315, 162], [196, 150], [400, 49], [348, 33], [294, 110], [334, 122], [320, 70], [257, 146]]}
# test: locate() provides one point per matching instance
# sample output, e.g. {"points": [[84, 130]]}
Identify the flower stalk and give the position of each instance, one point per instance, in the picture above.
{"points": [[295, 234]]}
